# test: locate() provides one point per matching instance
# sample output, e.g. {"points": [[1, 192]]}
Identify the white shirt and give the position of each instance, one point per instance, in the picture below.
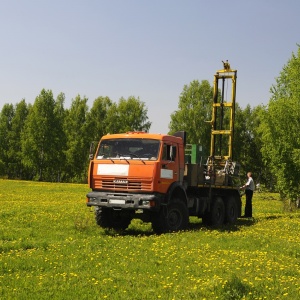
{"points": [[250, 184]]}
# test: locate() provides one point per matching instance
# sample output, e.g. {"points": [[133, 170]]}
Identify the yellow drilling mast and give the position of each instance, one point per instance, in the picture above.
{"points": [[222, 121]]}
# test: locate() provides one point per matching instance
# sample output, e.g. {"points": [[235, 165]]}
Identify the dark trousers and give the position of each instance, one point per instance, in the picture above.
{"points": [[248, 207]]}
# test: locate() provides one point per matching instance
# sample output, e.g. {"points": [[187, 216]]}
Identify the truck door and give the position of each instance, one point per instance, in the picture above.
{"points": [[169, 172]]}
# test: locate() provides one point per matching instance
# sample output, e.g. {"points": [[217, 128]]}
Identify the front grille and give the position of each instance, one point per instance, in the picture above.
{"points": [[118, 185]]}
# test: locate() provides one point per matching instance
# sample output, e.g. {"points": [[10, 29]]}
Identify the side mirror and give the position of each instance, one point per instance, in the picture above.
{"points": [[92, 150]]}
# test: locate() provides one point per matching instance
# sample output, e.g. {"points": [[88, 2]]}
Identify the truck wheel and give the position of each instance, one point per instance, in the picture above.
{"points": [[109, 218], [216, 215], [231, 210], [173, 217]]}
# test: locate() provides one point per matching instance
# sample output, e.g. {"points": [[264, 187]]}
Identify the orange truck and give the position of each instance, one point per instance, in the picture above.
{"points": [[158, 178]]}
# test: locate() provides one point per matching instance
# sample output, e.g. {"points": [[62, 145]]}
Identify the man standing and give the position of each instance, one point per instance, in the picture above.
{"points": [[249, 189]]}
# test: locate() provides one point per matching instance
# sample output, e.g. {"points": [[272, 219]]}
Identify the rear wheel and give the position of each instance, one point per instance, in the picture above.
{"points": [[216, 215], [231, 210], [173, 217], [110, 218]]}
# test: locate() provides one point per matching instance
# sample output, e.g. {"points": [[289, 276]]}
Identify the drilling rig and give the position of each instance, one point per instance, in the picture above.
{"points": [[154, 178]]}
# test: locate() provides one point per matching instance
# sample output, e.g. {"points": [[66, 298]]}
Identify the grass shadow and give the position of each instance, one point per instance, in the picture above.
{"points": [[137, 229], [241, 222], [140, 230], [128, 232], [196, 224]]}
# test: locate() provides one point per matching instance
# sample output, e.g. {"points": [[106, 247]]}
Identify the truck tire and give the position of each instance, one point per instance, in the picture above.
{"points": [[173, 217], [113, 219], [216, 215], [231, 210]]}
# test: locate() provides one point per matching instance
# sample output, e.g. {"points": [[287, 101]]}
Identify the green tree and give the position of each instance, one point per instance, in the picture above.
{"points": [[60, 141], [247, 141], [15, 145], [114, 120], [280, 125], [6, 116], [128, 115], [194, 109], [40, 138], [98, 118], [78, 140]]}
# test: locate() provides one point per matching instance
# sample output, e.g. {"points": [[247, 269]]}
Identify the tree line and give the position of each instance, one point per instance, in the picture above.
{"points": [[45, 141]]}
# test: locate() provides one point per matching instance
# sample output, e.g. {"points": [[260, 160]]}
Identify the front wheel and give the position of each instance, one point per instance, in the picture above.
{"points": [[110, 218], [171, 218]]}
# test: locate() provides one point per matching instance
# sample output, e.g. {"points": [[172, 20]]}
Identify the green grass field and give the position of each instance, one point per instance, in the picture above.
{"points": [[51, 248]]}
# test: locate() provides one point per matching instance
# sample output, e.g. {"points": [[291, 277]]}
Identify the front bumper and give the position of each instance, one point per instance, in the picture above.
{"points": [[124, 200]]}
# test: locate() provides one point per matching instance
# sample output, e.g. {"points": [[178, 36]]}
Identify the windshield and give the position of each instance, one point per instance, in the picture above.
{"points": [[145, 149]]}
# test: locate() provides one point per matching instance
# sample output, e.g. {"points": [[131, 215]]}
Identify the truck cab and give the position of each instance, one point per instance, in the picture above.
{"points": [[137, 172]]}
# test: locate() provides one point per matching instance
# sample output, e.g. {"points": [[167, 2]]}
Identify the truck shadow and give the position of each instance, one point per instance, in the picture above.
{"points": [[225, 227], [139, 230], [193, 226], [128, 232]]}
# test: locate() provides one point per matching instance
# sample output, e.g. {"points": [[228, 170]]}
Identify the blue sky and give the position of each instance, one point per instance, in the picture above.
{"points": [[146, 49]]}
